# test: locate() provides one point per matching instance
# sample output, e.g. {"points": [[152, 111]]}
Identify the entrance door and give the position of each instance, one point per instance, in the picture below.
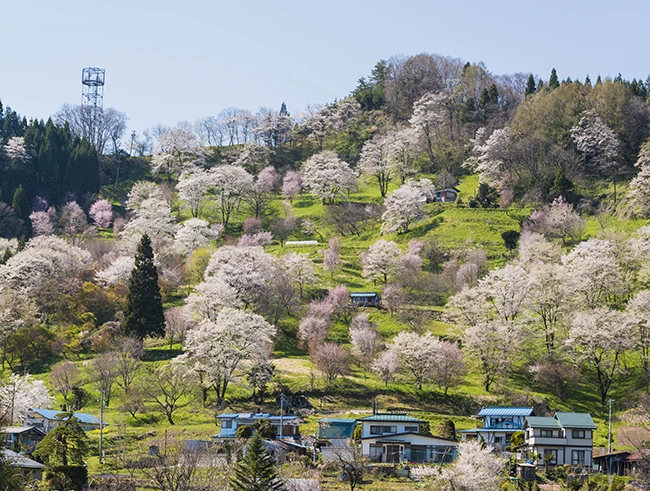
{"points": [[393, 453]]}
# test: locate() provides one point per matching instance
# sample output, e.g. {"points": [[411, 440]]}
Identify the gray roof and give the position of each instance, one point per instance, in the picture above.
{"points": [[506, 411], [21, 461], [17, 430], [405, 418], [256, 416], [576, 420]]}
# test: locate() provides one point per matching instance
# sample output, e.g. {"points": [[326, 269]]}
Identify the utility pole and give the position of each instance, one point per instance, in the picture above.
{"points": [[609, 434], [132, 140], [281, 413], [101, 426], [13, 402]]}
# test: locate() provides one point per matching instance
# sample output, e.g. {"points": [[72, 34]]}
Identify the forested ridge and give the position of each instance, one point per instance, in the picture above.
{"points": [[207, 267]]}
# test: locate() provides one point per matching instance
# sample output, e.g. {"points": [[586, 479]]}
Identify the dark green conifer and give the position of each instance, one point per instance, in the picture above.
{"points": [[588, 81], [20, 203], [562, 185], [530, 85], [553, 82], [255, 471], [144, 315]]}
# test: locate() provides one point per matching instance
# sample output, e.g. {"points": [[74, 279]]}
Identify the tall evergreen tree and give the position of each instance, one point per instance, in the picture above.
{"points": [[530, 85], [20, 203], [553, 82], [144, 312], [255, 470], [562, 185]]}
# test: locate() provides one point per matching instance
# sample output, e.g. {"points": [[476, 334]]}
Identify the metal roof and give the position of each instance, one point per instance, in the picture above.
{"points": [[254, 416], [21, 461], [576, 420], [543, 422], [364, 294], [506, 411], [347, 421], [17, 430], [82, 417], [392, 417]]}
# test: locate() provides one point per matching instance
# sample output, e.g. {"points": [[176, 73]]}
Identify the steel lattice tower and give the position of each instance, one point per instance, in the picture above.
{"points": [[92, 99]]}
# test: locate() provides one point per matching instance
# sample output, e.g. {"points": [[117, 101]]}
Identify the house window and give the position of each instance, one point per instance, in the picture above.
{"points": [[546, 433], [550, 456], [375, 451], [226, 423], [390, 429], [579, 434], [578, 457], [497, 439], [412, 429]]}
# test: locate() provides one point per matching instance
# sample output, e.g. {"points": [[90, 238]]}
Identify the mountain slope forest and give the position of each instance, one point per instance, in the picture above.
{"points": [[531, 288]]}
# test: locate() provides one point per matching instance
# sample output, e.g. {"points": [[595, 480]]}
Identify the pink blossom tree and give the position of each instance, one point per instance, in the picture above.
{"points": [[101, 212]]}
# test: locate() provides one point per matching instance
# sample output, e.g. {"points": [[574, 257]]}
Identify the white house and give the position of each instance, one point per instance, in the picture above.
{"points": [[392, 437], [566, 438], [229, 422], [499, 423], [46, 419]]}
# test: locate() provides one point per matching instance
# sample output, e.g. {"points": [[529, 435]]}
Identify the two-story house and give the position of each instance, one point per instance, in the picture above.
{"points": [[286, 426], [48, 419], [499, 423], [392, 437], [566, 438]]}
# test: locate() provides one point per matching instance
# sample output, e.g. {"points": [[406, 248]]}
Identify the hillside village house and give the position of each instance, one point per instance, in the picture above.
{"points": [[499, 423], [446, 195], [393, 437], [23, 437], [30, 470], [46, 419], [365, 299], [566, 438], [229, 422]]}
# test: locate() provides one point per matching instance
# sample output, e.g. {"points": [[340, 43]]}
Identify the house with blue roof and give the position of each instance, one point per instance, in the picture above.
{"points": [[286, 426], [499, 423], [365, 299], [396, 437], [46, 419]]}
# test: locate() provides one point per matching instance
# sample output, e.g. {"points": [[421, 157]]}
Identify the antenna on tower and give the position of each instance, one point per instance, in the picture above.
{"points": [[92, 100]]}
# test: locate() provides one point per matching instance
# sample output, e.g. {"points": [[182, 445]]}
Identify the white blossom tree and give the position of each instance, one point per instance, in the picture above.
{"points": [[597, 141], [41, 223], [248, 270], [403, 207], [328, 177], [101, 211], [376, 162], [403, 149], [386, 365], [291, 184], [365, 339], [175, 150], [638, 309], [119, 271], [380, 260], [141, 191], [195, 233], [417, 355], [193, 186], [154, 217], [332, 256], [219, 347], [639, 194], [21, 393], [599, 338], [300, 269], [490, 154], [231, 184], [210, 297], [15, 149], [491, 344]]}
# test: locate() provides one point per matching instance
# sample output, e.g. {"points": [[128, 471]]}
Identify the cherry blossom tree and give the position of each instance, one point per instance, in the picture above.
{"points": [[417, 355], [490, 154], [231, 184], [505, 290], [254, 157], [154, 217], [638, 309], [15, 149], [193, 186], [141, 191], [639, 193], [178, 322], [403, 149], [534, 248], [247, 270], [491, 344], [393, 298], [291, 185], [596, 141], [265, 182], [195, 233], [593, 271], [332, 256], [403, 207], [101, 211], [41, 223], [119, 271], [21, 393], [210, 297], [599, 338], [429, 119], [477, 468], [300, 269], [449, 367], [558, 220], [380, 260], [175, 150], [220, 347], [386, 365], [365, 339], [328, 177], [72, 220], [375, 161], [331, 359], [44, 258], [258, 239]]}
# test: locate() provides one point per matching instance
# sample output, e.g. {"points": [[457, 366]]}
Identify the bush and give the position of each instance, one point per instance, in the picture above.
{"points": [[68, 477]]}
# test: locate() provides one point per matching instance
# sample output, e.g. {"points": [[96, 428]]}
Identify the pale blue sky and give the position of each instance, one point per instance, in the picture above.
{"points": [[168, 61]]}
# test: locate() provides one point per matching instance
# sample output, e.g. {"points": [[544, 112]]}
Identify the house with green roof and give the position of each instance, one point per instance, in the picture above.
{"points": [[397, 437], [499, 424], [565, 438]]}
